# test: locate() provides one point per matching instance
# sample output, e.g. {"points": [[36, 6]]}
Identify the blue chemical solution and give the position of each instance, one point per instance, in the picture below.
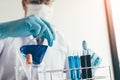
{"points": [[77, 65], [37, 51], [71, 63]]}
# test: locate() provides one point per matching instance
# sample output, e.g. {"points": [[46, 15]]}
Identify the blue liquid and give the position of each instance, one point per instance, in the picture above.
{"points": [[71, 66], [74, 62], [37, 51], [77, 65]]}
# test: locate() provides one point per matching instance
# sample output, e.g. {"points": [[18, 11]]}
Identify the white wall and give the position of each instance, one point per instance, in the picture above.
{"points": [[10, 10], [78, 19]]}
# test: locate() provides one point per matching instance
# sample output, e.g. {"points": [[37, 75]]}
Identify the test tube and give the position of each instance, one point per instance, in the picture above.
{"points": [[29, 59], [83, 65], [29, 65], [77, 65], [71, 66], [20, 70], [88, 64]]}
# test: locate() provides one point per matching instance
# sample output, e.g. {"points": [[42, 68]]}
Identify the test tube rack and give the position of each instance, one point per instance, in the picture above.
{"points": [[100, 76]]}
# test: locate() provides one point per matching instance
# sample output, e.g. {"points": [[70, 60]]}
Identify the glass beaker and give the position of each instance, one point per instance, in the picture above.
{"points": [[29, 72]]}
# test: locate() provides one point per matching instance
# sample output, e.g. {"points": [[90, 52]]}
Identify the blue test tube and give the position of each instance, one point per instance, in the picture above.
{"points": [[77, 65], [71, 63]]}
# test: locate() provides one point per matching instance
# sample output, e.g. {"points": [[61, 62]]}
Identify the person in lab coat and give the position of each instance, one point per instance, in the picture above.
{"points": [[9, 47], [12, 41]]}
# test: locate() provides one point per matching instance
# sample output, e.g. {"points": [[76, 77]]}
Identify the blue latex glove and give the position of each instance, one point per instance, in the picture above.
{"points": [[32, 25], [37, 51], [71, 63]]}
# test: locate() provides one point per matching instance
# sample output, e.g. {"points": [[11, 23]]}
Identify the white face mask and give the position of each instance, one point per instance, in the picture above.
{"points": [[44, 11]]}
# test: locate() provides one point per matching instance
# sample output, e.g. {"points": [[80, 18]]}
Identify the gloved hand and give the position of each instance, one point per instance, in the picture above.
{"points": [[95, 59], [32, 25]]}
